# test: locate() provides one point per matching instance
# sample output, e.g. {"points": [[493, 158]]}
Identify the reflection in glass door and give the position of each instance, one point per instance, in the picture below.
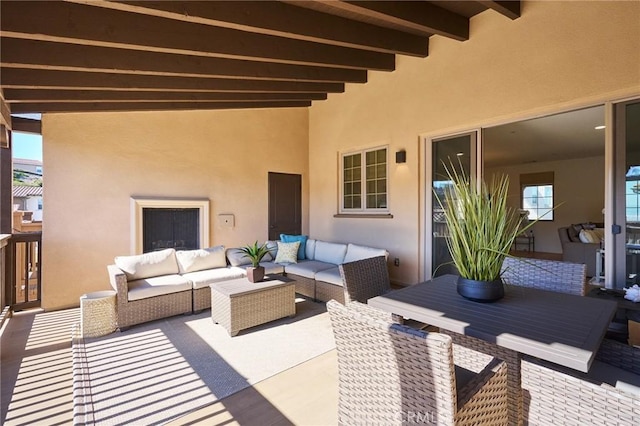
{"points": [[460, 152], [627, 132]]}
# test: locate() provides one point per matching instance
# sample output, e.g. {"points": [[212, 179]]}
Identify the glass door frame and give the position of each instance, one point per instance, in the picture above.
{"points": [[476, 165], [614, 264], [615, 195]]}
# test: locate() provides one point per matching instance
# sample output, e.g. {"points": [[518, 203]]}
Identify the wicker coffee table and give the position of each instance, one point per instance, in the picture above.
{"points": [[239, 304]]}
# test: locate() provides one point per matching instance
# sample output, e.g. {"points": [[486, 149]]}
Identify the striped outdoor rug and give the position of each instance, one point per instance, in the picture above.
{"points": [[159, 371]]}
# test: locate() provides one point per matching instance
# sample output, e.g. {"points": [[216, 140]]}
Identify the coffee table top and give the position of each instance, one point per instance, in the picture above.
{"points": [[241, 286]]}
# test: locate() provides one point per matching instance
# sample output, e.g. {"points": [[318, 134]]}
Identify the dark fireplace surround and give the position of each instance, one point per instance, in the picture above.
{"points": [[161, 223]]}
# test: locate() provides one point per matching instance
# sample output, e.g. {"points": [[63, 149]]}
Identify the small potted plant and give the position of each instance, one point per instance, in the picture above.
{"points": [[482, 229], [255, 252]]}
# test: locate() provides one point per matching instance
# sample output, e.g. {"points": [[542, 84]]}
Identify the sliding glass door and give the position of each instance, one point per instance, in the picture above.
{"points": [[626, 229], [460, 152]]}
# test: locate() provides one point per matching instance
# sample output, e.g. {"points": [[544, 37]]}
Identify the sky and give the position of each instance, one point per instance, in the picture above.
{"points": [[26, 145]]}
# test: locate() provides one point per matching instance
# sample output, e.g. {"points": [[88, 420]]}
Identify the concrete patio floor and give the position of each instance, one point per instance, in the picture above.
{"points": [[37, 382]]}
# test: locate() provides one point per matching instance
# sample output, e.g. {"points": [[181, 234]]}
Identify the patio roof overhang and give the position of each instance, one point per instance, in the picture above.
{"points": [[80, 56]]}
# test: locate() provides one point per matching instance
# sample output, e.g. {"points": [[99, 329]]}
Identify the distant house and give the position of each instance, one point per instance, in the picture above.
{"points": [[27, 186], [27, 171], [28, 198]]}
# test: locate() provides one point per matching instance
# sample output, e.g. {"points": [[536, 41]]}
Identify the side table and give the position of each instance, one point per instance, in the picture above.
{"points": [[98, 313], [527, 241]]}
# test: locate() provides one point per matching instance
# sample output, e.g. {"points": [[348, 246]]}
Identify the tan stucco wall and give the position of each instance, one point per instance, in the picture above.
{"points": [[558, 55], [97, 161]]}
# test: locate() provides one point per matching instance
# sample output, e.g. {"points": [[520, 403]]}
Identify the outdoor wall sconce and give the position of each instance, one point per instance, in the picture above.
{"points": [[401, 156]]}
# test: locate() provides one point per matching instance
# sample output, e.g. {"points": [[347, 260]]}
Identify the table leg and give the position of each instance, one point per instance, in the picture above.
{"points": [[511, 358]]}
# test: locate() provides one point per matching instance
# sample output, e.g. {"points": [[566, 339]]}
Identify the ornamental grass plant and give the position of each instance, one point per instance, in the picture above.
{"points": [[482, 227]]}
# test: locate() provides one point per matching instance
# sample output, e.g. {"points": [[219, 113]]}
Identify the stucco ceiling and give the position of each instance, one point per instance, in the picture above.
{"points": [[555, 137], [563, 136], [79, 55]]}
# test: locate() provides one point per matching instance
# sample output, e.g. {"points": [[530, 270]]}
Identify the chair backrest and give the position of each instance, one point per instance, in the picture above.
{"points": [[387, 371], [551, 275], [556, 395], [365, 278]]}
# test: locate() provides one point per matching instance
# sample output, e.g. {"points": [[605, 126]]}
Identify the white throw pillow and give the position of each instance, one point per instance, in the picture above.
{"points": [[199, 260], [287, 252], [152, 264], [588, 236], [599, 233]]}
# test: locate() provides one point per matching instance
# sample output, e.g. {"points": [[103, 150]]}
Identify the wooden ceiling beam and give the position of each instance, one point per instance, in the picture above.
{"points": [[18, 78], [420, 16], [5, 113], [80, 24], [50, 55], [23, 108], [14, 96], [510, 9], [26, 125], [282, 20]]}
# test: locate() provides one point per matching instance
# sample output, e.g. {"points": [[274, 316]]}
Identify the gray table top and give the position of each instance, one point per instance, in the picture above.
{"points": [[616, 296], [557, 327]]}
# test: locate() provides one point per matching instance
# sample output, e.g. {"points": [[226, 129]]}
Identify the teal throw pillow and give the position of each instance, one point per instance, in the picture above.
{"points": [[292, 239]]}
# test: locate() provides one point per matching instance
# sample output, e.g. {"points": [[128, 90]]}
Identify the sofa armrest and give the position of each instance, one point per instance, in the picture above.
{"points": [[581, 253], [118, 281]]}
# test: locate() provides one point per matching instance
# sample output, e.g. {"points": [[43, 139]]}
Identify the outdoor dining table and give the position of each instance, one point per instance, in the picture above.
{"points": [[561, 328]]}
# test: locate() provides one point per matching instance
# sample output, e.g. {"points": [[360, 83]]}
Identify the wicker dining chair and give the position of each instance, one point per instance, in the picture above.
{"points": [[556, 395], [392, 374], [365, 278], [551, 275]]}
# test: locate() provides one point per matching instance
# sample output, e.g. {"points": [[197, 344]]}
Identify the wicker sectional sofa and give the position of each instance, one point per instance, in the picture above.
{"points": [[318, 276], [165, 283]]}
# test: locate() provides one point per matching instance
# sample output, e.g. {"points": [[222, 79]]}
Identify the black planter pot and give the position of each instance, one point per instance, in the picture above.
{"points": [[480, 291]]}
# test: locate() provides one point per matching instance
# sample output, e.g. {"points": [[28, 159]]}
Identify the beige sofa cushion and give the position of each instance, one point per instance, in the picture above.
{"points": [[152, 264], [331, 276], [307, 268], [200, 279], [310, 249], [330, 252], [237, 257], [199, 260], [356, 252], [157, 286]]}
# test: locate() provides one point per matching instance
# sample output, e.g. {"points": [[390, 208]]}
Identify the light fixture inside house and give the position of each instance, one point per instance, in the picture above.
{"points": [[460, 154], [401, 156], [600, 127]]}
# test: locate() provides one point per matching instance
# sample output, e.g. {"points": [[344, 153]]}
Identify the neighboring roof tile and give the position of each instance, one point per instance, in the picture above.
{"points": [[26, 191]]}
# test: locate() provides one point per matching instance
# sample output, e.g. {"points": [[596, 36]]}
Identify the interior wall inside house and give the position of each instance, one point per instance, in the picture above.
{"points": [[578, 195], [97, 161], [556, 56]]}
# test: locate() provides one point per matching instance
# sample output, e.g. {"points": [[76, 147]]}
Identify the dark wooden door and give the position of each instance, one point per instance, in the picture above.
{"points": [[285, 204]]}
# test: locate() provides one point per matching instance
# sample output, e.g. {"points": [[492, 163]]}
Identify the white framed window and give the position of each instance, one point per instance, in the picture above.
{"points": [[364, 181], [537, 195]]}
